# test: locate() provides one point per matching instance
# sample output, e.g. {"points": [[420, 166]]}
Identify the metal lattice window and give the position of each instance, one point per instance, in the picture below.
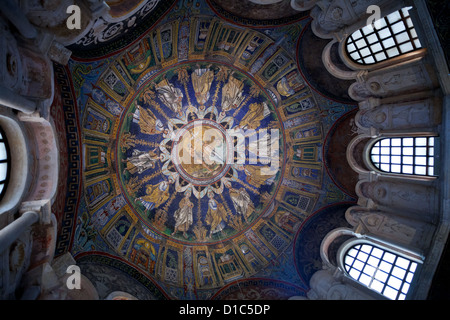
{"points": [[382, 271], [386, 38], [5, 163], [410, 155]]}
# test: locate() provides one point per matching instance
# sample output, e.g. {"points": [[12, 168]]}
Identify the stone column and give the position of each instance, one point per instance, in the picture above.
{"points": [[15, 101], [11, 232], [14, 13]]}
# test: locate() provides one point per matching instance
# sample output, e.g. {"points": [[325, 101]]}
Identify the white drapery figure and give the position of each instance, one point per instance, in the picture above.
{"points": [[140, 161], [242, 202], [184, 216], [172, 97]]}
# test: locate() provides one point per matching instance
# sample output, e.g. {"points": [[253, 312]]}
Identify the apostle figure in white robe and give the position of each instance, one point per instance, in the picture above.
{"points": [[216, 215], [172, 97], [184, 216], [242, 202], [140, 161]]}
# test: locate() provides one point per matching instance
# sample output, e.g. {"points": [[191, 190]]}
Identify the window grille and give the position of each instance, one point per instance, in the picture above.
{"points": [[382, 271], [5, 163], [386, 38], [408, 155]]}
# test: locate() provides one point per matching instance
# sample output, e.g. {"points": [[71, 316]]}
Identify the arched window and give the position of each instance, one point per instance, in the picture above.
{"points": [[382, 271], [4, 163], [386, 38], [407, 155]]}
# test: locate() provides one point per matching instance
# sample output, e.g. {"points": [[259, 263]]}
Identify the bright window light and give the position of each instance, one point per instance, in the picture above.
{"points": [[382, 271], [388, 37], [413, 156], [5, 163]]}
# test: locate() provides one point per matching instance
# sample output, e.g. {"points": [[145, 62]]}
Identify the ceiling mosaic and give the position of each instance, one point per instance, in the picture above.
{"points": [[202, 110], [176, 183], [127, 20], [251, 13]]}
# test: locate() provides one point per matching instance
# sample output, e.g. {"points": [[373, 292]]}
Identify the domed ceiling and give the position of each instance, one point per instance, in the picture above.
{"points": [[200, 154], [181, 153]]}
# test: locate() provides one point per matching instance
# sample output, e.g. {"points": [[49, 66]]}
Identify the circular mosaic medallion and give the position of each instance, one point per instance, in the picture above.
{"points": [[200, 153]]}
